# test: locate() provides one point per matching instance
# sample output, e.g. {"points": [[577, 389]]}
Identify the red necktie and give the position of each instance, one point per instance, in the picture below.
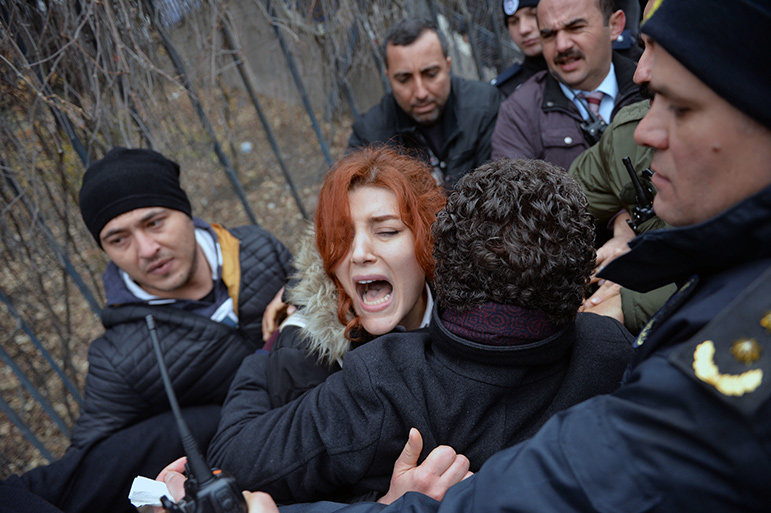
{"points": [[593, 99]]}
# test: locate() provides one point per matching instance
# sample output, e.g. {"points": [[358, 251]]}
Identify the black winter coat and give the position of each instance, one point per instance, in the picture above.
{"points": [[342, 438], [123, 384], [291, 370], [468, 120]]}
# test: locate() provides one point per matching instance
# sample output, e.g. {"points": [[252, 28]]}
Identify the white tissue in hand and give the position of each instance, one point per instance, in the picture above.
{"points": [[147, 492]]}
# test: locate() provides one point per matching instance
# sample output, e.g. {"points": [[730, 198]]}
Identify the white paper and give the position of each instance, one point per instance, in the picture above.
{"points": [[147, 492]]}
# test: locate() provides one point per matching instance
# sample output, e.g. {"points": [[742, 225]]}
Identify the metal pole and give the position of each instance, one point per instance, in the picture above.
{"points": [[495, 9], [191, 94], [263, 120], [343, 64], [374, 48], [349, 96], [42, 401], [298, 82], [472, 39], [28, 434], [39, 345]]}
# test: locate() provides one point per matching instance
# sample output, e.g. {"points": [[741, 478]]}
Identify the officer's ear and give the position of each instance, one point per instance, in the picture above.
{"points": [[617, 22]]}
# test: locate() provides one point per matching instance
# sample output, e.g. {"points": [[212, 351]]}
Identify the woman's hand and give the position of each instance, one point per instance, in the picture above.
{"points": [[274, 315], [442, 468]]}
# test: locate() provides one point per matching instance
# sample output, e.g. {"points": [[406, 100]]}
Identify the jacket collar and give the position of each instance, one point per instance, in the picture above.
{"points": [[554, 99], [541, 352], [625, 69], [738, 235], [534, 64]]}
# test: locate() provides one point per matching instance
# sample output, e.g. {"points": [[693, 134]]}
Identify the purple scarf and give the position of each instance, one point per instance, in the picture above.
{"points": [[498, 325]]}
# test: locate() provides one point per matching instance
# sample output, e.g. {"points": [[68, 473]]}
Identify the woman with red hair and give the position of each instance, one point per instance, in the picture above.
{"points": [[373, 230], [504, 350], [364, 273]]}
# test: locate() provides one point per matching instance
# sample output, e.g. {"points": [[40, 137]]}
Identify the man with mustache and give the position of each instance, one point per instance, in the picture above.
{"points": [[585, 80], [444, 119]]}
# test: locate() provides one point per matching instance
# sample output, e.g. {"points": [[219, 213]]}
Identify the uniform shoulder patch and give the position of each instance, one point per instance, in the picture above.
{"points": [[506, 74], [731, 356]]}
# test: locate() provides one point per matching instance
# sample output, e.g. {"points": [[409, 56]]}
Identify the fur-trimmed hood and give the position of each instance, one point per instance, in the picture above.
{"points": [[315, 295]]}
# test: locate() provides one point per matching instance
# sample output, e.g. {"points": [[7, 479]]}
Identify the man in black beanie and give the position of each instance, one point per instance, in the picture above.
{"points": [[690, 427], [207, 288], [206, 285]]}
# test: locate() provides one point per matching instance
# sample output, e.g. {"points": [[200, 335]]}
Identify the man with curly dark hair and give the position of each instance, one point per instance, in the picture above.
{"points": [[516, 232]]}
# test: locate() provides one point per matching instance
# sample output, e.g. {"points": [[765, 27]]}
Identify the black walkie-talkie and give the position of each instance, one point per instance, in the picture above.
{"points": [[595, 126], [205, 491], [644, 198]]}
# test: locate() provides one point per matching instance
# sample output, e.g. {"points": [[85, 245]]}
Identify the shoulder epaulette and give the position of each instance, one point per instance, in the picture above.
{"points": [[507, 74], [731, 356]]}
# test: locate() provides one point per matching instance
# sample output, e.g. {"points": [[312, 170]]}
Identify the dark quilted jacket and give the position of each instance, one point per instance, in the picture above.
{"points": [[123, 384]]}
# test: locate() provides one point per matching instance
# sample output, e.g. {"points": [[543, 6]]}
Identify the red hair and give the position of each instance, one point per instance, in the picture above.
{"points": [[418, 196]]}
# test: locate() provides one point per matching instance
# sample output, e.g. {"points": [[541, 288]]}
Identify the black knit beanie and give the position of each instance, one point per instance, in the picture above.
{"points": [[126, 179], [725, 43]]}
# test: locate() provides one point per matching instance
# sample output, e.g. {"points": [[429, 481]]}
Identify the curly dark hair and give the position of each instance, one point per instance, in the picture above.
{"points": [[514, 232]]}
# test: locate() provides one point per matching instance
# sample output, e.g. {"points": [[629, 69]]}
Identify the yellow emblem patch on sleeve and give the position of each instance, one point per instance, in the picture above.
{"points": [[727, 384], [746, 350]]}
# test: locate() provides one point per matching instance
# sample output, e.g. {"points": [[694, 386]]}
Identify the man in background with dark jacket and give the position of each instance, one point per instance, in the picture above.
{"points": [[521, 23], [445, 120]]}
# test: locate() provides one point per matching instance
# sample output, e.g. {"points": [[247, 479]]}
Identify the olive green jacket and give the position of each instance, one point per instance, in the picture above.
{"points": [[608, 189], [603, 177]]}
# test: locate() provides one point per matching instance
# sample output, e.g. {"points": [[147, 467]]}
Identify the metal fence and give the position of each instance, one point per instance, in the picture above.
{"points": [[254, 98]]}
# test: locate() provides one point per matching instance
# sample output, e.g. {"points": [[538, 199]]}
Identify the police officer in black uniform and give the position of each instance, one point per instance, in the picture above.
{"points": [[519, 16]]}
